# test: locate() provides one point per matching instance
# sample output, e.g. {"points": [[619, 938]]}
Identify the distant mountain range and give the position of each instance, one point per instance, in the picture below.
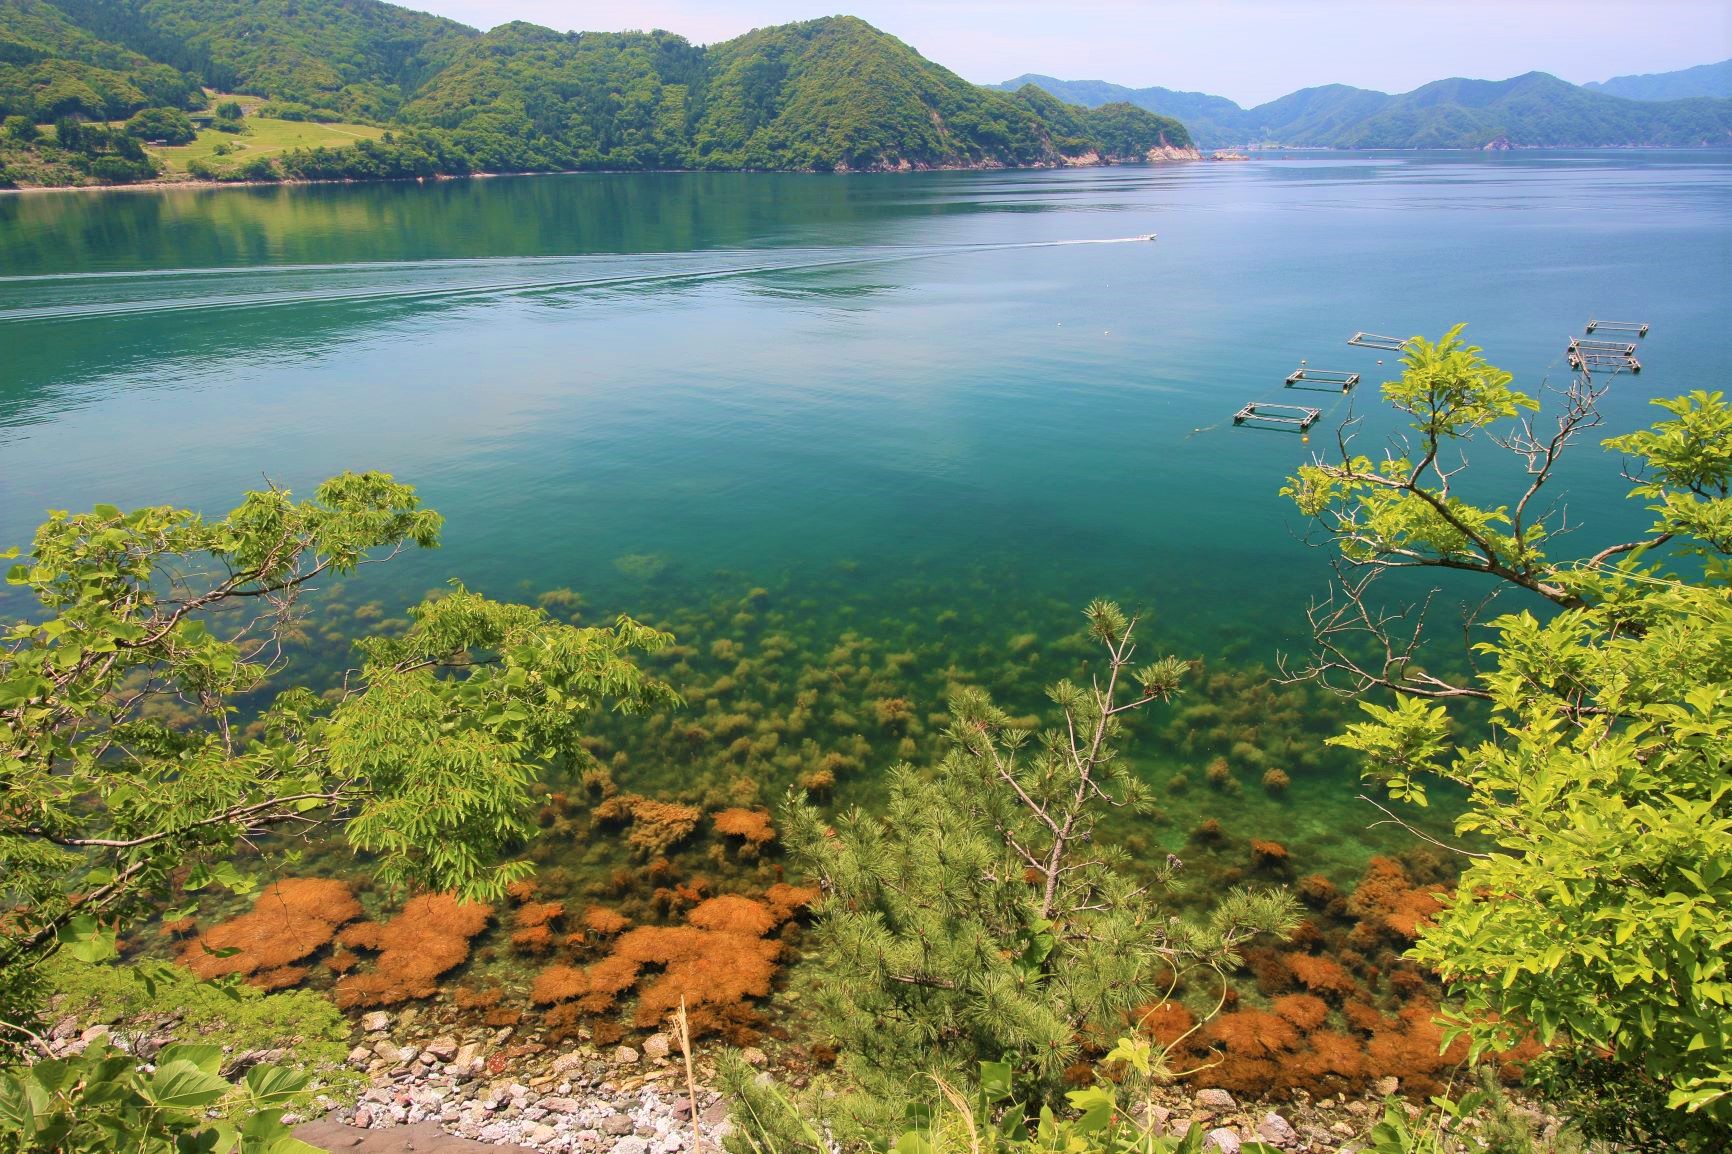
{"points": [[1703, 80], [823, 95], [1535, 110]]}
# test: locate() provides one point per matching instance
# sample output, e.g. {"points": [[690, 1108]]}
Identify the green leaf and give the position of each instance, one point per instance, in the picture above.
{"points": [[182, 1085], [995, 1081], [87, 941], [207, 1058], [274, 1085]]}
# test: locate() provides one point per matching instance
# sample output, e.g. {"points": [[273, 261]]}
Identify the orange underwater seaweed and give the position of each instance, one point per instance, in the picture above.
{"points": [[733, 914], [1320, 975], [1253, 1033], [430, 936], [1304, 1011], [751, 824], [787, 900], [292, 919], [656, 826], [1167, 1023], [1387, 902], [604, 921]]}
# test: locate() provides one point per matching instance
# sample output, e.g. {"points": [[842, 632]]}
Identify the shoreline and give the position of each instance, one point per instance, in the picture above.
{"points": [[1166, 156], [433, 1081]]}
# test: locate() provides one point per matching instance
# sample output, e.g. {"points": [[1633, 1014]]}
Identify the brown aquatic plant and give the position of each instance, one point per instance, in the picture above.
{"points": [[429, 937], [604, 921], [1321, 975], [733, 914], [752, 825], [292, 919]]}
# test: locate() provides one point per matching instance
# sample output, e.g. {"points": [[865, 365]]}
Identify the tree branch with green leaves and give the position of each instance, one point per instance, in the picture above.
{"points": [[422, 757], [1597, 914]]}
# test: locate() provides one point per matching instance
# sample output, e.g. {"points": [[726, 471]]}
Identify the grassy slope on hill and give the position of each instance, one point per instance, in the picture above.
{"points": [[263, 137]]}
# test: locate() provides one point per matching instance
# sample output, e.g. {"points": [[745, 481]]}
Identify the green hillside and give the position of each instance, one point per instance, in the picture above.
{"points": [[825, 94], [830, 94], [1703, 80], [1534, 110], [50, 67], [1210, 119], [356, 57]]}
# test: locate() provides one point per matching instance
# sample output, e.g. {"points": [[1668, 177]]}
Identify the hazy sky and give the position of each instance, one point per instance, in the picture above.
{"points": [[1248, 50]]}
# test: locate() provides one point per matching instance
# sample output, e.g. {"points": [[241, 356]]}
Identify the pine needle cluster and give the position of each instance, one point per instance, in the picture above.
{"points": [[980, 916]]}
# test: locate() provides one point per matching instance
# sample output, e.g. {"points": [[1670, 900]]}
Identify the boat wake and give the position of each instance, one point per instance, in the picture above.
{"points": [[192, 290]]}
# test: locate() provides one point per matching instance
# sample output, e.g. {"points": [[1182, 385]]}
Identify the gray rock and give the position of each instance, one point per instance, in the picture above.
{"points": [[656, 1047], [624, 1056], [1277, 1131], [561, 1105], [619, 1125], [443, 1048], [386, 1049], [1387, 1086], [1222, 1139], [631, 1146], [376, 1023], [541, 1134], [1215, 1099]]}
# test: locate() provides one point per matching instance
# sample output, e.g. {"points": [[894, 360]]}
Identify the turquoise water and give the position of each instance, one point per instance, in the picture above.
{"points": [[883, 399]]}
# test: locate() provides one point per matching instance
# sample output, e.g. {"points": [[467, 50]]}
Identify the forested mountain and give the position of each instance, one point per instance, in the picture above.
{"points": [[1210, 119], [1703, 80], [359, 57], [1534, 110], [51, 67], [825, 94]]}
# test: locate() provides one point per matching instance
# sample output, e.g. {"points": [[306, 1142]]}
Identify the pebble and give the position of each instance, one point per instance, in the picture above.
{"points": [[1216, 1100], [624, 1056], [656, 1047], [1222, 1139], [376, 1022], [1387, 1086], [1276, 1130]]}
